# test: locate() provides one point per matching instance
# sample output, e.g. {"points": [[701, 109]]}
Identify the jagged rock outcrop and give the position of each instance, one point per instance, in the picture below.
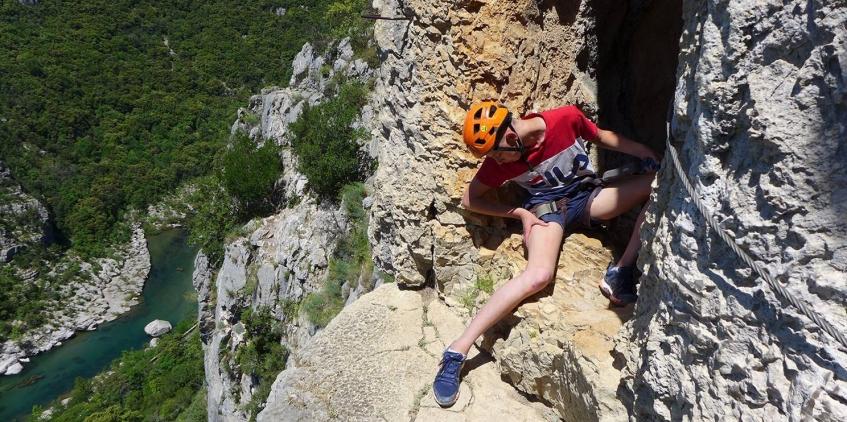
{"points": [[761, 116], [448, 54], [98, 293], [556, 346], [375, 361], [283, 257], [281, 261], [760, 111], [530, 55], [24, 221]]}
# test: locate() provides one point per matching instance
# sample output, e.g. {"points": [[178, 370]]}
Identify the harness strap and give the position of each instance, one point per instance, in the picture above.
{"points": [[560, 205]]}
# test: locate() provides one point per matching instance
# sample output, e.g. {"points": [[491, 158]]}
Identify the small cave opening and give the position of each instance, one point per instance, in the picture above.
{"points": [[637, 53]]}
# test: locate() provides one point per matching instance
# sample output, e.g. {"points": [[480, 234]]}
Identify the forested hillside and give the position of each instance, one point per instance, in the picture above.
{"points": [[108, 105]]}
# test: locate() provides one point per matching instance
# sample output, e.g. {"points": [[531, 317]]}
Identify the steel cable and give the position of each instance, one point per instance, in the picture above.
{"points": [[776, 286]]}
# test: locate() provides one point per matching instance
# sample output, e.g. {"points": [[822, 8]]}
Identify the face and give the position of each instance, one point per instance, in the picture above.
{"points": [[509, 140]]}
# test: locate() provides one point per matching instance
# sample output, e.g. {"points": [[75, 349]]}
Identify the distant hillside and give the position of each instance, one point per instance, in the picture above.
{"points": [[107, 105]]}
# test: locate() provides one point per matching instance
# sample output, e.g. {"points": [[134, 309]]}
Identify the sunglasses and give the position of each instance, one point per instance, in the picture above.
{"points": [[507, 123]]}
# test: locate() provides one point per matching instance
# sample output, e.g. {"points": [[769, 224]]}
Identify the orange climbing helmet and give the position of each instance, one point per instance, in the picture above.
{"points": [[484, 125]]}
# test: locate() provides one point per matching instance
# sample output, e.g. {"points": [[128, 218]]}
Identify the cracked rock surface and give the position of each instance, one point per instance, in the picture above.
{"points": [[376, 361], [760, 114], [558, 344]]}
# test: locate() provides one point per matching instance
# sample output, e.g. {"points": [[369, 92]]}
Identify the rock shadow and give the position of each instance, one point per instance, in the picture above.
{"points": [[785, 327]]}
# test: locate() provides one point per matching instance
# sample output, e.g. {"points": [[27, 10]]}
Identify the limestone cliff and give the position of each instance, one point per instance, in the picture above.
{"points": [[89, 293], [281, 258], [760, 115], [529, 55], [97, 292]]}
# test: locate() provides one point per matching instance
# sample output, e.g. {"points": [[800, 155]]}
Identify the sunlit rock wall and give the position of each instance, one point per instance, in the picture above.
{"points": [[760, 117]]}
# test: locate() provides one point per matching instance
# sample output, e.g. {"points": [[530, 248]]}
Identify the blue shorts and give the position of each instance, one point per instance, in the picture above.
{"points": [[578, 213]]}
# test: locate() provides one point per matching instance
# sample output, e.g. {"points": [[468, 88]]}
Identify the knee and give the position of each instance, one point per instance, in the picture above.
{"points": [[537, 279]]}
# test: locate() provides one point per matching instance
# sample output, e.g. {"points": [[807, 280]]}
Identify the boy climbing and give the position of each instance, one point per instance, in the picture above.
{"points": [[545, 154]]}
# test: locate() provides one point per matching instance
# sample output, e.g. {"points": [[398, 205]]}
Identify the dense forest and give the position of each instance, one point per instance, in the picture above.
{"points": [[108, 105]]}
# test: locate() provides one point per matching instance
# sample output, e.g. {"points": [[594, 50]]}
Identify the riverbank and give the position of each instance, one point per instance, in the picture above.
{"points": [[100, 292], [167, 294]]}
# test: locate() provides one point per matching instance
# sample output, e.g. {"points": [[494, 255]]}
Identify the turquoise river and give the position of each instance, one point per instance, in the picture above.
{"points": [[168, 294]]}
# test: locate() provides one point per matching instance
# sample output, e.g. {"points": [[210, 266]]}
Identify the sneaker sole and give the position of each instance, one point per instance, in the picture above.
{"points": [[445, 404], [607, 292]]}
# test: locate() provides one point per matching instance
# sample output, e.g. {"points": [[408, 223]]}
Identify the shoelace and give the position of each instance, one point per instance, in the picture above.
{"points": [[449, 368]]}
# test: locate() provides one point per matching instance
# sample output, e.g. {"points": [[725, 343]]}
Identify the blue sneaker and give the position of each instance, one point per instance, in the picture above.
{"points": [[446, 385], [618, 285]]}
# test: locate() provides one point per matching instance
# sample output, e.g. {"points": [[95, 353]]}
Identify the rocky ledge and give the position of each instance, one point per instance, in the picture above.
{"points": [[375, 361], [557, 346], [100, 293]]}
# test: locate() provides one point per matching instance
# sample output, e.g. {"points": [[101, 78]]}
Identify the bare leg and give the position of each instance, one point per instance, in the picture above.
{"points": [[617, 199], [631, 251], [544, 246]]}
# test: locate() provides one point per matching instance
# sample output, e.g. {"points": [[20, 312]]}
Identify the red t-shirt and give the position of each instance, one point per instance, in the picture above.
{"points": [[559, 165]]}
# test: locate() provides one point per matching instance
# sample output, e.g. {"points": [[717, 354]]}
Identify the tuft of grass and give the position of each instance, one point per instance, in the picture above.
{"points": [[252, 282], [485, 283], [468, 298], [250, 119]]}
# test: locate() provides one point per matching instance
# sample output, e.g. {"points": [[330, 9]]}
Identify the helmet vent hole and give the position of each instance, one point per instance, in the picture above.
{"points": [[480, 142], [476, 127], [478, 114], [492, 130], [492, 110]]}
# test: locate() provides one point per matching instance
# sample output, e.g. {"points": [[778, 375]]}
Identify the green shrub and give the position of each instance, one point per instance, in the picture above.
{"points": [[327, 146], [214, 215], [485, 283], [250, 119], [262, 356], [249, 173], [351, 262], [19, 301], [468, 298]]}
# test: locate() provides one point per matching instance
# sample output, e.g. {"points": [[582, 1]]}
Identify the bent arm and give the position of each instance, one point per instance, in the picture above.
{"points": [[610, 140], [474, 200]]}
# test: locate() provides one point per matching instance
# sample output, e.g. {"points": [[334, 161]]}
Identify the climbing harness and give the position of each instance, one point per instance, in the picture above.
{"points": [[778, 288], [647, 165], [560, 205]]}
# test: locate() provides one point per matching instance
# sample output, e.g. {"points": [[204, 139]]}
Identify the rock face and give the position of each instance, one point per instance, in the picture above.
{"points": [[530, 55], [23, 219], [281, 261], [375, 361], [759, 110], [556, 346], [283, 257], [761, 116], [157, 327], [98, 293], [448, 54]]}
